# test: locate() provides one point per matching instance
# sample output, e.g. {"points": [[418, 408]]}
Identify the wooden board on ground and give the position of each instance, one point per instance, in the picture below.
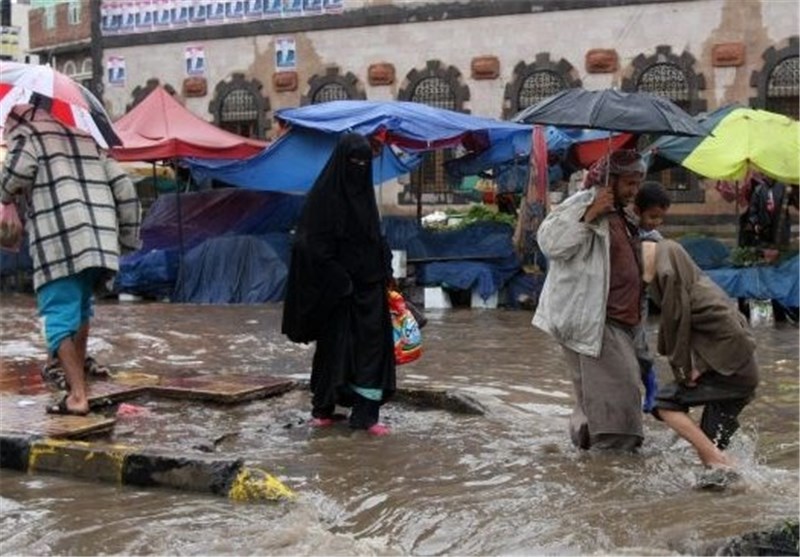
{"points": [[227, 389], [106, 393], [27, 416]]}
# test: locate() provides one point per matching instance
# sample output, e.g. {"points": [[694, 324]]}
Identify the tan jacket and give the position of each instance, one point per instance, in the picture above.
{"points": [[700, 326]]}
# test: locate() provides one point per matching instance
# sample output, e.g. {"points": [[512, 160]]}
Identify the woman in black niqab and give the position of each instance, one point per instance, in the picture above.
{"points": [[336, 290]]}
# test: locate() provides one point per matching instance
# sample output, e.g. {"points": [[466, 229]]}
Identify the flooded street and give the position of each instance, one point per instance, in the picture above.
{"points": [[508, 482]]}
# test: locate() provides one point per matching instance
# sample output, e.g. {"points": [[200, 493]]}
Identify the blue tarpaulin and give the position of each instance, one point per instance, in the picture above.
{"points": [[406, 129], [479, 257], [778, 282], [153, 270], [232, 270]]}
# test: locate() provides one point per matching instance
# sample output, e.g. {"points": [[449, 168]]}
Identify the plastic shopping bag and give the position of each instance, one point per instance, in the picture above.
{"points": [[10, 227], [407, 336]]}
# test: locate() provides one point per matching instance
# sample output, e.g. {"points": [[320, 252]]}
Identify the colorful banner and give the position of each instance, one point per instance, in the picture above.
{"points": [[142, 16]]}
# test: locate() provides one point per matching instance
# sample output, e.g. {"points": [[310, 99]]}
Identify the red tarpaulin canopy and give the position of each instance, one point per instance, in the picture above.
{"points": [[159, 128]]}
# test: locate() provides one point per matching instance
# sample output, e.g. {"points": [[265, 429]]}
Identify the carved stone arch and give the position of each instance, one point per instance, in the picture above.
{"points": [[785, 58], [440, 87], [552, 77], [674, 77], [249, 90], [140, 92], [331, 86], [664, 59], [435, 70]]}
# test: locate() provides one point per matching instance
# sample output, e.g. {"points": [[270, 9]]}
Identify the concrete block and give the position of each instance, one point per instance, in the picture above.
{"points": [[477, 302], [399, 263], [436, 298]]}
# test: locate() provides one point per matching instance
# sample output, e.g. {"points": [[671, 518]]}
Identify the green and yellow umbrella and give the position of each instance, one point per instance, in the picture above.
{"points": [[741, 139]]}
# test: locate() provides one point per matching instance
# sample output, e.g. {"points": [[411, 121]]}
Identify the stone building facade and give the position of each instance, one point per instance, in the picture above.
{"points": [[489, 58]]}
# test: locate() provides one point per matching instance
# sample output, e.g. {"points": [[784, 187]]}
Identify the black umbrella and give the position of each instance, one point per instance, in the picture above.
{"points": [[609, 109]]}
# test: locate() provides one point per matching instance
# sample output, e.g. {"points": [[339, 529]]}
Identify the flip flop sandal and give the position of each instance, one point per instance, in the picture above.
{"points": [[53, 374], [61, 409]]}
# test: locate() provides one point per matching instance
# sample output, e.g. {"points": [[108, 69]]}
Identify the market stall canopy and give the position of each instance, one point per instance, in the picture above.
{"points": [[403, 129], [160, 128], [740, 139]]}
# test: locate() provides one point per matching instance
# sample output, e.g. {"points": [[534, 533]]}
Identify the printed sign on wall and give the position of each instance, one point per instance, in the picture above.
{"points": [[116, 70], [195, 60], [285, 53]]}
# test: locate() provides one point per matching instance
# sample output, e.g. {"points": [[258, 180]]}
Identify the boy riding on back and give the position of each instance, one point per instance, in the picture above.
{"points": [[650, 205]]}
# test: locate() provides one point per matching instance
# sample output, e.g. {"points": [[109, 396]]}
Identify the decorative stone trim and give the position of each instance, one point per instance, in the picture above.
{"points": [[195, 87], [563, 69], [485, 67], [725, 55], [284, 82], [602, 60], [140, 92], [349, 82], [254, 86], [664, 55], [381, 73], [435, 68], [759, 80]]}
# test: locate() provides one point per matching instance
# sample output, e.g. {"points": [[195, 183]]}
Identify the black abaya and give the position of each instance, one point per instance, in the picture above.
{"points": [[336, 292]]}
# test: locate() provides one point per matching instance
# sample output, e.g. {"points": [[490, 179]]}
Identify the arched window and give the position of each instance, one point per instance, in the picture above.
{"points": [[673, 77], [69, 68], [333, 87], [783, 88], [86, 66], [537, 86], [238, 107], [330, 92], [239, 113], [438, 87], [666, 80], [140, 92], [434, 91], [536, 81], [778, 83]]}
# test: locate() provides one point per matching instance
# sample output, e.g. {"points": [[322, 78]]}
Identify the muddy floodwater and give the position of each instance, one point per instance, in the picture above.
{"points": [[508, 482]]}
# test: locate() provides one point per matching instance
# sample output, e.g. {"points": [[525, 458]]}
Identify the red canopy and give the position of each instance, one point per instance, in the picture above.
{"points": [[159, 128]]}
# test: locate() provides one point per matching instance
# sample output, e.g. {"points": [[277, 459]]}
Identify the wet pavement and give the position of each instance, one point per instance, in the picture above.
{"points": [[507, 482]]}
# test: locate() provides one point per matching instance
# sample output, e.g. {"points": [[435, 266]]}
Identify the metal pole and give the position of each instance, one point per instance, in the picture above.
{"points": [[180, 223]]}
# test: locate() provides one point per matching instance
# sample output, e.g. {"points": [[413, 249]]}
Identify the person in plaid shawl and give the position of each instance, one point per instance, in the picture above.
{"points": [[82, 213]]}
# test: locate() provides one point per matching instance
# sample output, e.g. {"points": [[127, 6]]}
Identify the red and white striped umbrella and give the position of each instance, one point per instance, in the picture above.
{"points": [[67, 100]]}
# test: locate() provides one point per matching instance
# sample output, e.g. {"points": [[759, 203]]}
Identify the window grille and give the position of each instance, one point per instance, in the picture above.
{"points": [[435, 92], [666, 80], [330, 92], [430, 178], [669, 81], [537, 86], [783, 88], [239, 113]]}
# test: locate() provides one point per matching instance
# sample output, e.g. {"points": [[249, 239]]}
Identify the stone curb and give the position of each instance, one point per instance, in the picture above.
{"points": [[126, 465]]}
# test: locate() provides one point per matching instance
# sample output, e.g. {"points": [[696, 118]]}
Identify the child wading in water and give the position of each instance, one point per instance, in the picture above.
{"points": [[709, 346]]}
